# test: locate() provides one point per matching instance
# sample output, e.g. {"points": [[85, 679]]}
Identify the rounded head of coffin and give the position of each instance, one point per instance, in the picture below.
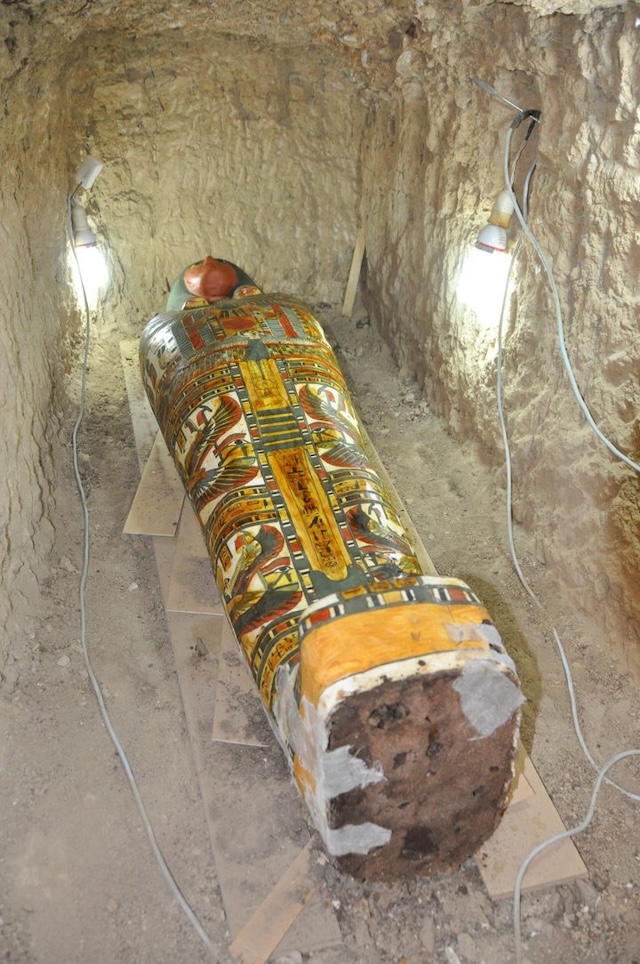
{"points": [[211, 279]]}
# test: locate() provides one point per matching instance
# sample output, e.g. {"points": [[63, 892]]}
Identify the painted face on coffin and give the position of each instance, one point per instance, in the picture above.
{"points": [[211, 279]]}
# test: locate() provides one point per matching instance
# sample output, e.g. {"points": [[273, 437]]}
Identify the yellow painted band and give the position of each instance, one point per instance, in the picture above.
{"points": [[354, 644]]}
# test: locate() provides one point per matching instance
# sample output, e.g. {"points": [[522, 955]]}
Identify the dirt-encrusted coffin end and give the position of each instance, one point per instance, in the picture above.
{"points": [[444, 788]]}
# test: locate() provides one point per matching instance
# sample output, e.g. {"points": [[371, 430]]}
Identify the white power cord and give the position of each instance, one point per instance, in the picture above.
{"points": [[558, 310], [522, 214], [164, 867], [503, 426], [522, 217], [556, 838]]}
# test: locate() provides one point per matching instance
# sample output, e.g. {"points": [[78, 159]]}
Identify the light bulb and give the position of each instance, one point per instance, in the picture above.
{"points": [[82, 233], [482, 283], [89, 272]]}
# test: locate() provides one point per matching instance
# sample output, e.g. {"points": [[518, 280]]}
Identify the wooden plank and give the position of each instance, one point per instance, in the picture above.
{"points": [[157, 504], [521, 789], [164, 548], [258, 827], [269, 923], [192, 588], [238, 716], [256, 819], [195, 640], [145, 427], [354, 275], [522, 828]]}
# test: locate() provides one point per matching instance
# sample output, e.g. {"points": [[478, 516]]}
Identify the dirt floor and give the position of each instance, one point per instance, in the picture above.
{"points": [[78, 883]]}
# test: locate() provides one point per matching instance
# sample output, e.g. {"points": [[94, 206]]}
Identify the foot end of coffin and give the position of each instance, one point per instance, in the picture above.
{"points": [[444, 786], [405, 764]]}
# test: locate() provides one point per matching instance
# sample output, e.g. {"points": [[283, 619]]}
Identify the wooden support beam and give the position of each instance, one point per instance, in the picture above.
{"points": [[528, 822], [192, 588], [354, 275], [238, 715], [270, 922], [157, 504]]}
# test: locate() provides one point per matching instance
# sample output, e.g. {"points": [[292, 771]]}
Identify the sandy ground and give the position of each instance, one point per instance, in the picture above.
{"points": [[77, 879]]}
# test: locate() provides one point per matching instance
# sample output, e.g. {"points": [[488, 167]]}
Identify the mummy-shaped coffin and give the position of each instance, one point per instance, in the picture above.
{"points": [[389, 690]]}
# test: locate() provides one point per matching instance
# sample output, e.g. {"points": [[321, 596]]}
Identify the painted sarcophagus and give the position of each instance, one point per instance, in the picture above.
{"points": [[389, 690]]}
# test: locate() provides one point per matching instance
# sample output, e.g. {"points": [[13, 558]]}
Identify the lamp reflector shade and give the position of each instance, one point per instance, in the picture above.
{"points": [[88, 172], [492, 238]]}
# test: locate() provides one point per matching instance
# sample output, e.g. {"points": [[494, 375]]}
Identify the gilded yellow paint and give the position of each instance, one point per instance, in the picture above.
{"points": [[315, 522], [278, 656], [310, 507], [264, 384], [360, 642]]}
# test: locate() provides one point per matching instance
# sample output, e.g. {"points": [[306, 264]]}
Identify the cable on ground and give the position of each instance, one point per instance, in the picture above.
{"points": [[162, 863]]}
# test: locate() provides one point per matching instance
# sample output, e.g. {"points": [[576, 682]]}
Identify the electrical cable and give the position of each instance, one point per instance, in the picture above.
{"points": [[509, 470], [522, 217], [556, 301], [556, 838], [164, 867], [503, 426], [488, 89]]}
